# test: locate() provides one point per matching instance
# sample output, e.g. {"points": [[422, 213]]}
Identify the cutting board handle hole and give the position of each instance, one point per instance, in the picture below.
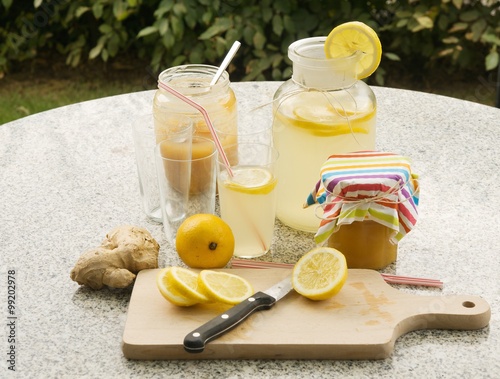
{"points": [[468, 304]]}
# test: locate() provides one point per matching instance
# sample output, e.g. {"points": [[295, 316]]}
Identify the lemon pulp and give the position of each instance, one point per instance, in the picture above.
{"points": [[320, 273]]}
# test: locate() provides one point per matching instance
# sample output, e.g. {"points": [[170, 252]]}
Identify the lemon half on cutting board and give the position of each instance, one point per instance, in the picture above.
{"points": [[320, 273], [351, 37]]}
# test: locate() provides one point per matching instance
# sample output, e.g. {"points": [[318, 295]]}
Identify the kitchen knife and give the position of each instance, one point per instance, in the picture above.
{"points": [[195, 341]]}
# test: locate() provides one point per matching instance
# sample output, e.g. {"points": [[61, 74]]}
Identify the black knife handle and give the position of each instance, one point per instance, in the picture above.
{"points": [[196, 340]]}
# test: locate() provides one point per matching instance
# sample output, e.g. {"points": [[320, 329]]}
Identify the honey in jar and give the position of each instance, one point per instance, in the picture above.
{"points": [[365, 244], [369, 202]]}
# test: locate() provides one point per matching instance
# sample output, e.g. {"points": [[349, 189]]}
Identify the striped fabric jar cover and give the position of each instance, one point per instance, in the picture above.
{"points": [[366, 185]]}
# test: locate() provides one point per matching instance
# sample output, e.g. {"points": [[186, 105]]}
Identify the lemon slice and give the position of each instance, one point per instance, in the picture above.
{"points": [[351, 37], [251, 180], [185, 282], [224, 287], [332, 124], [320, 273], [170, 293], [322, 114]]}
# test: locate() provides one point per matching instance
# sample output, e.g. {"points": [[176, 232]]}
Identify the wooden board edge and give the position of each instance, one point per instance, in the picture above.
{"points": [[248, 352]]}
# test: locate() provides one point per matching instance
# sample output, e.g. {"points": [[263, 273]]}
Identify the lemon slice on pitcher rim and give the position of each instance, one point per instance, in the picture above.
{"points": [[320, 273], [351, 37], [224, 287]]}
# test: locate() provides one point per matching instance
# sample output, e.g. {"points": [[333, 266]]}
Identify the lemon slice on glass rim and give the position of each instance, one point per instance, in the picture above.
{"points": [[251, 180], [352, 37]]}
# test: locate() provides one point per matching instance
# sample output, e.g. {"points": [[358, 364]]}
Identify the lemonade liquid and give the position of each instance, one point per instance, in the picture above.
{"points": [[248, 205], [308, 128]]}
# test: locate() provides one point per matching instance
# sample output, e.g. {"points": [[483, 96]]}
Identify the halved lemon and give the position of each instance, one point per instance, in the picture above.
{"points": [[224, 287], [185, 282], [320, 273], [170, 293], [251, 180], [351, 37]]}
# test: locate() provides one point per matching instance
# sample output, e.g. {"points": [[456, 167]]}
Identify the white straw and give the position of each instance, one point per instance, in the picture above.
{"points": [[229, 56]]}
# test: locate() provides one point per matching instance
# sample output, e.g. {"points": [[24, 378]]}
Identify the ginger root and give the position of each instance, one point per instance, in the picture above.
{"points": [[125, 251]]}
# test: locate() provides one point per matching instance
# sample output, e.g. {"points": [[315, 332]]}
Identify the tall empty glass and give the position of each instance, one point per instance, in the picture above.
{"points": [[145, 139], [186, 176]]}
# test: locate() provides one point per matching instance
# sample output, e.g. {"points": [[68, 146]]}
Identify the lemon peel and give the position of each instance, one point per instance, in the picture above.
{"points": [[204, 241]]}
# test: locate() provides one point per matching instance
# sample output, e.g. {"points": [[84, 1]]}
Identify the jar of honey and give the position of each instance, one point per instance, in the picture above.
{"points": [[370, 202]]}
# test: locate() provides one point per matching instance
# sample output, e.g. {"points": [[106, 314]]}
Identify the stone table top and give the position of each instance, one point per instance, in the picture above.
{"points": [[68, 176]]}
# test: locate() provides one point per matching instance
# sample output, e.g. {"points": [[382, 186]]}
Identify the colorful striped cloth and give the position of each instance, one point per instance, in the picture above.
{"points": [[366, 185]]}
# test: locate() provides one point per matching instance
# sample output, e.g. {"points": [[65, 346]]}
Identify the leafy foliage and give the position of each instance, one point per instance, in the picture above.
{"points": [[416, 35], [458, 33]]}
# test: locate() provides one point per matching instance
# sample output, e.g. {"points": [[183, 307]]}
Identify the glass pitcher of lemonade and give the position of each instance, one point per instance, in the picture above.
{"points": [[219, 100], [322, 110]]}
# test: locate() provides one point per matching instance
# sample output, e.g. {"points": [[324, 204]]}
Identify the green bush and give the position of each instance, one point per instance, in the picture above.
{"points": [[456, 34], [459, 34]]}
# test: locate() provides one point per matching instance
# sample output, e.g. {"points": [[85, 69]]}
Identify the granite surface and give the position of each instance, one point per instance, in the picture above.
{"points": [[68, 177]]}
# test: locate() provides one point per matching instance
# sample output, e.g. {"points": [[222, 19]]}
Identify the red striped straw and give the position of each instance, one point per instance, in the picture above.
{"points": [[392, 279], [207, 120]]}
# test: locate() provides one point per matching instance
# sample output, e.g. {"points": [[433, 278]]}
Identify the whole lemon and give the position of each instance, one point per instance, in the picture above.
{"points": [[205, 241]]}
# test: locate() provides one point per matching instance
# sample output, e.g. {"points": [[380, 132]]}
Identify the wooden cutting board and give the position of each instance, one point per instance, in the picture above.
{"points": [[363, 321]]}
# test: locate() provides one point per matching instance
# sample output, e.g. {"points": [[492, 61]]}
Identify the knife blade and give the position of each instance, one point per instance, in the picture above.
{"points": [[195, 341]]}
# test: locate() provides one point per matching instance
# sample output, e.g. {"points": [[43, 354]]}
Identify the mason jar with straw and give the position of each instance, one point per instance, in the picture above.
{"points": [[206, 85]]}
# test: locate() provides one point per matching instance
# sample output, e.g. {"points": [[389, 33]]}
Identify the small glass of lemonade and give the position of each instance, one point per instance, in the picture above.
{"points": [[247, 198]]}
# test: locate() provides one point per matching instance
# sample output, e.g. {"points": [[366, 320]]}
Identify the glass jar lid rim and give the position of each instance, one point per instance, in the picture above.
{"points": [[310, 51], [192, 70]]}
